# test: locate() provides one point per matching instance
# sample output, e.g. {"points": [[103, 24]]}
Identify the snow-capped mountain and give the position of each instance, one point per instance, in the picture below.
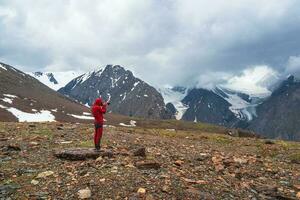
{"points": [[25, 99], [55, 80], [127, 94], [175, 95]]}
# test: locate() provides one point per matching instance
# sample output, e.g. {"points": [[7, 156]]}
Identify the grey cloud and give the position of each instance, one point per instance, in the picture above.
{"points": [[163, 42]]}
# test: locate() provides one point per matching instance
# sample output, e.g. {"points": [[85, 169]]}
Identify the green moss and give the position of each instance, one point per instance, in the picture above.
{"points": [[88, 143], [288, 145], [220, 139], [295, 158]]}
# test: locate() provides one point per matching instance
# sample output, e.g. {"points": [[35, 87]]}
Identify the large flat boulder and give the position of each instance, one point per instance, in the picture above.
{"points": [[81, 154]]}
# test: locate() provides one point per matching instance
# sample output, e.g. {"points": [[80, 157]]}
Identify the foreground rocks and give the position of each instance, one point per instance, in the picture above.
{"points": [[142, 164]]}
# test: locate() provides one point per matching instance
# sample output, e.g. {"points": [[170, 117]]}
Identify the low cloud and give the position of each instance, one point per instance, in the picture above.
{"points": [[293, 65]]}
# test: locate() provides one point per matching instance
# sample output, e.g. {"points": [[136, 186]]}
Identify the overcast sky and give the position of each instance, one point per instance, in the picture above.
{"points": [[176, 42]]}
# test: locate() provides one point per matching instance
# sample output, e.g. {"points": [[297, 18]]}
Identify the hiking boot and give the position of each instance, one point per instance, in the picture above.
{"points": [[97, 148]]}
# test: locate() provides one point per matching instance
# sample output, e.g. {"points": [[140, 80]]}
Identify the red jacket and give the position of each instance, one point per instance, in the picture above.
{"points": [[98, 109]]}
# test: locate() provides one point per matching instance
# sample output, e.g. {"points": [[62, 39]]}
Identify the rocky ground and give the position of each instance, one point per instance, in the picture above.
{"points": [[140, 163]]}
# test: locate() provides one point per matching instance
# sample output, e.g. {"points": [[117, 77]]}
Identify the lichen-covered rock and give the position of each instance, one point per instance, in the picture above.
{"points": [[78, 154], [147, 165]]}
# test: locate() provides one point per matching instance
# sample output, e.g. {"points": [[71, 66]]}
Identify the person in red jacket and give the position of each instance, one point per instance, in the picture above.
{"points": [[98, 110]]}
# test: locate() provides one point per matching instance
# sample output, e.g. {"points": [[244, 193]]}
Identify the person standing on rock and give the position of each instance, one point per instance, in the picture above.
{"points": [[98, 110]]}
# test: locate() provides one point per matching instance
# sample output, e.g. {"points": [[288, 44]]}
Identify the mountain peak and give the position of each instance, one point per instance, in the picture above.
{"points": [[128, 95]]}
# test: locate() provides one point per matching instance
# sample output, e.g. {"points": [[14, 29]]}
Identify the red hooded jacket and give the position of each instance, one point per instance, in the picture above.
{"points": [[98, 109]]}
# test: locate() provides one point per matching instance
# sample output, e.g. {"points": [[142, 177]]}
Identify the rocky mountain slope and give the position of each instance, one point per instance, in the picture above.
{"points": [[278, 116], [206, 106], [23, 98], [127, 94], [144, 163]]}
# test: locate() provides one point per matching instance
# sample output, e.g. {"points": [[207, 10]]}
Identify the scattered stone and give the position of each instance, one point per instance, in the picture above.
{"points": [[66, 142], [84, 193], [114, 169], [165, 189], [34, 143], [40, 195], [193, 191], [34, 182], [130, 166], [201, 182], [13, 147], [297, 187], [99, 159], [149, 197], [124, 152], [240, 160], [269, 142], [3, 139], [202, 157], [6, 190], [45, 174], [206, 196], [60, 128], [147, 165], [141, 191], [5, 159], [269, 190], [140, 152], [25, 171], [218, 163], [102, 180], [179, 162], [107, 153]]}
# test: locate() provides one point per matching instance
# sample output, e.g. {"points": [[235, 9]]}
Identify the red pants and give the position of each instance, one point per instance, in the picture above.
{"points": [[98, 134]]}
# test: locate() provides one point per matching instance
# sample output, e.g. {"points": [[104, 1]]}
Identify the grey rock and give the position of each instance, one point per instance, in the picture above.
{"points": [[81, 154]]}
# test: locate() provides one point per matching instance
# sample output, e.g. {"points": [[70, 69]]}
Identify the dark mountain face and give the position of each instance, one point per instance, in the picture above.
{"points": [[206, 106], [279, 115], [127, 94]]}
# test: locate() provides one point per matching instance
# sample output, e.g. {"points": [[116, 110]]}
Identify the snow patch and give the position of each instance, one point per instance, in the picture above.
{"points": [[2, 67], [134, 85], [81, 116], [7, 100], [132, 123], [10, 95], [195, 120], [42, 116]]}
